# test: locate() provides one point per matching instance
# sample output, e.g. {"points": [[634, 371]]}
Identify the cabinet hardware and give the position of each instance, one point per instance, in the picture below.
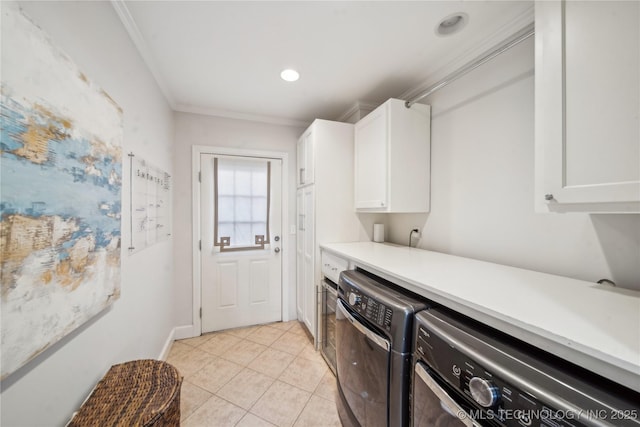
{"points": [[548, 197]]}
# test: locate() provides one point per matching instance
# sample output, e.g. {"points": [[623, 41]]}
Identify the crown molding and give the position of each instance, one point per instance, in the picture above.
{"points": [[358, 105], [274, 120], [451, 65], [140, 43]]}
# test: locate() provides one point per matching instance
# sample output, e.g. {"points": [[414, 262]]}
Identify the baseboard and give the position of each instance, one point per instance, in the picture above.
{"points": [[177, 333], [186, 331], [167, 345]]}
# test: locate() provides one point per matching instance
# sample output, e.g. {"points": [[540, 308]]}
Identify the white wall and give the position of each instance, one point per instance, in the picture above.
{"points": [[194, 129], [49, 389], [482, 203]]}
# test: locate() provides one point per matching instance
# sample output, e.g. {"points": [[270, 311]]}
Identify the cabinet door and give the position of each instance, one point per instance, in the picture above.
{"points": [[300, 265], [588, 106], [309, 261], [301, 160], [305, 158], [371, 161], [309, 161], [305, 259]]}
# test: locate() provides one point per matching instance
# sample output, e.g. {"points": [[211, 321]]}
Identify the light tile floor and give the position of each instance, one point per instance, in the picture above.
{"points": [[267, 375]]}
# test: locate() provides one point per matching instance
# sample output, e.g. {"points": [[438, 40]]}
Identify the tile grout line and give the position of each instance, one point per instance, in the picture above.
{"points": [[230, 379], [213, 394], [245, 338], [278, 379], [219, 388], [302, 410]]}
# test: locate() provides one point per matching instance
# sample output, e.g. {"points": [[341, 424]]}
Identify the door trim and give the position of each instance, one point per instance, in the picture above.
{"points": [[196, 151]]}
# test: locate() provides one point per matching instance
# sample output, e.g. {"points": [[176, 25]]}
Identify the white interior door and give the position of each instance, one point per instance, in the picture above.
{"points": [[240, 211]]}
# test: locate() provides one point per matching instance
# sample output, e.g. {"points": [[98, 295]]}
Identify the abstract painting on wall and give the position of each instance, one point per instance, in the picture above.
{"points": [[60, 199]]}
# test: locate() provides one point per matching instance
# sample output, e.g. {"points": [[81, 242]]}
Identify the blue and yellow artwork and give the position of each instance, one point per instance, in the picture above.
{"points": [[60, 199]]}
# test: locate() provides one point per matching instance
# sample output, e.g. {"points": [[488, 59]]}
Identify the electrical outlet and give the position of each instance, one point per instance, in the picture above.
{"points": [[414, 235]]}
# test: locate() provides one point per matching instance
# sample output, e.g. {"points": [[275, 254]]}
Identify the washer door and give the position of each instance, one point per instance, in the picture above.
{"points": [[363, 368], [433, 406]]}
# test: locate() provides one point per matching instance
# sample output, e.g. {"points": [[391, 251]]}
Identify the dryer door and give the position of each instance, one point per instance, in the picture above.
{"points": [[363, 368]]}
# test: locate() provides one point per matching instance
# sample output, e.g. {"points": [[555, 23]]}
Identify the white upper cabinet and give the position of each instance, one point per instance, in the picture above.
{"points": [[392, 159], [587, 93], [305, 158]]}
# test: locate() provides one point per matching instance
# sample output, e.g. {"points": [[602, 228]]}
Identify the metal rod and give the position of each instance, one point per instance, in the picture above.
{"points": [[518, 37]]}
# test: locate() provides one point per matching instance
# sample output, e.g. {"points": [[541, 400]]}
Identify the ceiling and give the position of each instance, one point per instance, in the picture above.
{"points": [[225, 57]]}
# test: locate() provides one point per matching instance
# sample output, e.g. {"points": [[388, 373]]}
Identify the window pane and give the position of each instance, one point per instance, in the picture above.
{"points": [[225, 181], [259, 229], [259, 208], [226, 208], [225, 229], [243, 236], [243, 182], [243, 209], [258, 183]]}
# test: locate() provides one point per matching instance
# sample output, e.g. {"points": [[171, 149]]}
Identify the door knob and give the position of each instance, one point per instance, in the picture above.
{"points": [[277, 250]]}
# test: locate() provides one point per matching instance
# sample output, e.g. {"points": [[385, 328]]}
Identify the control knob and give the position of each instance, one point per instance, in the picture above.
{"points": [[354, 299], [484, 392]]}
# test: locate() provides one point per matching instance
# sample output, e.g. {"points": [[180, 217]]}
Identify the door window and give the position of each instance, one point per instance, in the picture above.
{"points": [[241, 203]]}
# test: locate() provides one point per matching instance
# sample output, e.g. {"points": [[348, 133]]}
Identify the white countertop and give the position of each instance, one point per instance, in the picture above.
{"points": [[594, 326]]}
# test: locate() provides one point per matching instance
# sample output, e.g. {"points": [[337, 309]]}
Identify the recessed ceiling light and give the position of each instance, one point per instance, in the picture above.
{"points": [[452, 24], [289, 75]]}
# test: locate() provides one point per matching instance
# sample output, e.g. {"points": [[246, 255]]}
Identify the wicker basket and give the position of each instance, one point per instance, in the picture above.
{"points": [[137, 393]]}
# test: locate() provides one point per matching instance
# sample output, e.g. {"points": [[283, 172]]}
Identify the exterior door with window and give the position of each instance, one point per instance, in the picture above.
{"points": [[240, 214]]}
